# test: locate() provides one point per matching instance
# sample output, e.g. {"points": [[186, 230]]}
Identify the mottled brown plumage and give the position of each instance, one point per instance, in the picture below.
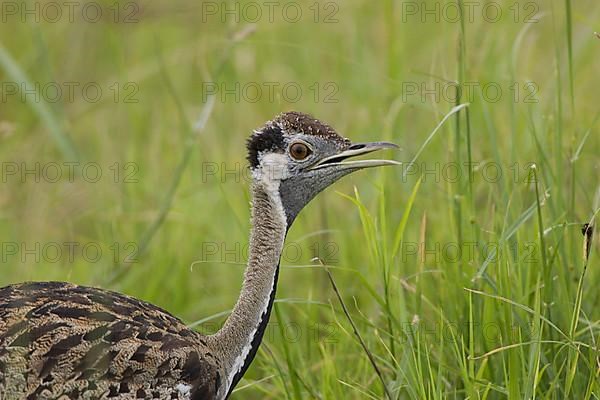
{"points": [[297, 122], [63, 341]]}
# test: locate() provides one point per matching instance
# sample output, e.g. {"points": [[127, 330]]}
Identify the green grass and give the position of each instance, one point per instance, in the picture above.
{"points": [[515, 316]]}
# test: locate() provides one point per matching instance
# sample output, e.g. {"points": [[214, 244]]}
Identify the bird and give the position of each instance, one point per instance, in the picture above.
{"points": [[64, 341]]}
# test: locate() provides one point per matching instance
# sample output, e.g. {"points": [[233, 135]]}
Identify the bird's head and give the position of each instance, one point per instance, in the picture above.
{"points": [[297, 156]]}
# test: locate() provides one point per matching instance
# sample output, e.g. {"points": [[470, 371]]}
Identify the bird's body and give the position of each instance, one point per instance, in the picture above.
{"points": [[63, 341]]}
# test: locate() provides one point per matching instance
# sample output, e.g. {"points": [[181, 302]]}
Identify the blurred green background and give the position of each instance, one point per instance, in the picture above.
{"points": [[123, 128]]}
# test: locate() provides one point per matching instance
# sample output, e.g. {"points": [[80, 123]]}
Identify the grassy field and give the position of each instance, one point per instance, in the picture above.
{"points": [[464, 273]]}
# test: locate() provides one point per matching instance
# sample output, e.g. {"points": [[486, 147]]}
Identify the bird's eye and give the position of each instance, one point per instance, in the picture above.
{"points": [[299, 151]]}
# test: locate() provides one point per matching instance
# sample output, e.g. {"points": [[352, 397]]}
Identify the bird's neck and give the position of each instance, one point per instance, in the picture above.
{"points": [[243, 331]]}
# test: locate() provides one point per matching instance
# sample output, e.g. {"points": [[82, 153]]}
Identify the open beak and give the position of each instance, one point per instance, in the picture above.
{"points": [[340, 160]]}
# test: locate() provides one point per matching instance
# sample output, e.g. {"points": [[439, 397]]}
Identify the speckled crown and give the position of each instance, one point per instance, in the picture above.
{"points": [[270, 136]]}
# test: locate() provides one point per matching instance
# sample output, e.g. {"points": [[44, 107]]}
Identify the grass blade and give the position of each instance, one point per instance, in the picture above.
{"points": [[358, 335], [40, 107]]}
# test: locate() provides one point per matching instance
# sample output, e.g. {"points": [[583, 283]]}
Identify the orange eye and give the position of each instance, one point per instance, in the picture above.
{"points": [[299, 151]]}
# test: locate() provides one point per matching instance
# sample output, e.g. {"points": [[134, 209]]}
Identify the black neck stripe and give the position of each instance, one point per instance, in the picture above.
{"points": [[258, 335]]}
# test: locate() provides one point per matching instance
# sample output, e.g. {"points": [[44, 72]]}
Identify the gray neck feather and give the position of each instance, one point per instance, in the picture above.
{"points": [[234, 342]]}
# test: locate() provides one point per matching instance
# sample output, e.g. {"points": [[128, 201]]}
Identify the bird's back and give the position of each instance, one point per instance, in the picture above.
{"points": [[63, 341]]}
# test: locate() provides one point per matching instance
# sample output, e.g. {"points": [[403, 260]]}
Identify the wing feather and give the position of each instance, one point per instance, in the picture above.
{"points": [[59, 339]]}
